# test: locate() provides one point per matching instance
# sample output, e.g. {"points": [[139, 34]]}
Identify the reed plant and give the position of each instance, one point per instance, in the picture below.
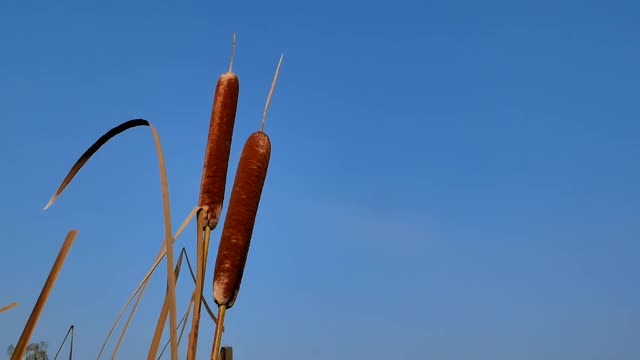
{"points": [[235, 236]]}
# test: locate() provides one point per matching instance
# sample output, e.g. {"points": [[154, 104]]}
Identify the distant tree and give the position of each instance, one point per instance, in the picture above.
{"points": [[35, 351]]}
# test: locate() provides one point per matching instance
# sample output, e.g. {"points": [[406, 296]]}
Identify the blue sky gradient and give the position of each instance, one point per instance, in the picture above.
{"points": [[449, 179]]}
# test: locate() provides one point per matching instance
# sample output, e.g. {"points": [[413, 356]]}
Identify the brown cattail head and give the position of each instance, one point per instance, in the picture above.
{"points": [[240, 219], [214, 174]]}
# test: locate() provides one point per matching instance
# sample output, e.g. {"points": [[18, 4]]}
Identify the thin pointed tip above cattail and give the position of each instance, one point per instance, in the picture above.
{"points": [[273, 86], [233, 48]]}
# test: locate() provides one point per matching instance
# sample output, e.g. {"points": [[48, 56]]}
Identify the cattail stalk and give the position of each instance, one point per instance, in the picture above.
{"points": [[240, 220], [214, 177]]}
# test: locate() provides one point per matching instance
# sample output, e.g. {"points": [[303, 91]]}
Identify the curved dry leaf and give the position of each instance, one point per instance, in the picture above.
{"points": [[92, 150], [168, 240], [171, 281]]}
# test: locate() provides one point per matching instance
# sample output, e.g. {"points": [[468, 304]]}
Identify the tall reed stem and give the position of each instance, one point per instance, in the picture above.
{"points": [[18, 353], [218, 336]]}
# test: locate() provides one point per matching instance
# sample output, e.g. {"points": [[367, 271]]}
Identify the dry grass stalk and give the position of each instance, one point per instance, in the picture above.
{"points": [[240, 219], [183, 321], [165, 307], [143, 283], [204, 301], [44, 294], [171, 281], [162, 319], [126, 324], [10, 306], [163, 313], [217, 337], [200, 260], [70, 331]]}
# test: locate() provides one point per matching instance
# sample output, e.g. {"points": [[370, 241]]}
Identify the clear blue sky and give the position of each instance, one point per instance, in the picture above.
{"points": [[449, 179]]}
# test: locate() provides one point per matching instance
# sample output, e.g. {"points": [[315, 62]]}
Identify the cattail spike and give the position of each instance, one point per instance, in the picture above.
{"points": [[273, 86], [233, 48]]}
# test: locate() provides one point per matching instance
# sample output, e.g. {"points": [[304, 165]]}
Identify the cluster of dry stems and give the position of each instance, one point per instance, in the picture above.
{"points": [[235, 236]]}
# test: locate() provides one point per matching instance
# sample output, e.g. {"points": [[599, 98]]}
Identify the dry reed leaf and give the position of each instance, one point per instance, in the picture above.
{"points": [[168, 239], [135, 306], [171, 281], [143, 283], [126, 324], [162, 319], [92, 150], [70, 331], [163, 313], [183, 321], [204, 301], [10, 306], [18, 353]]}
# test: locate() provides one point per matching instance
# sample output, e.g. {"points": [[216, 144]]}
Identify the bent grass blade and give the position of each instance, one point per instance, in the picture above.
{"points": [[165, 206]]}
